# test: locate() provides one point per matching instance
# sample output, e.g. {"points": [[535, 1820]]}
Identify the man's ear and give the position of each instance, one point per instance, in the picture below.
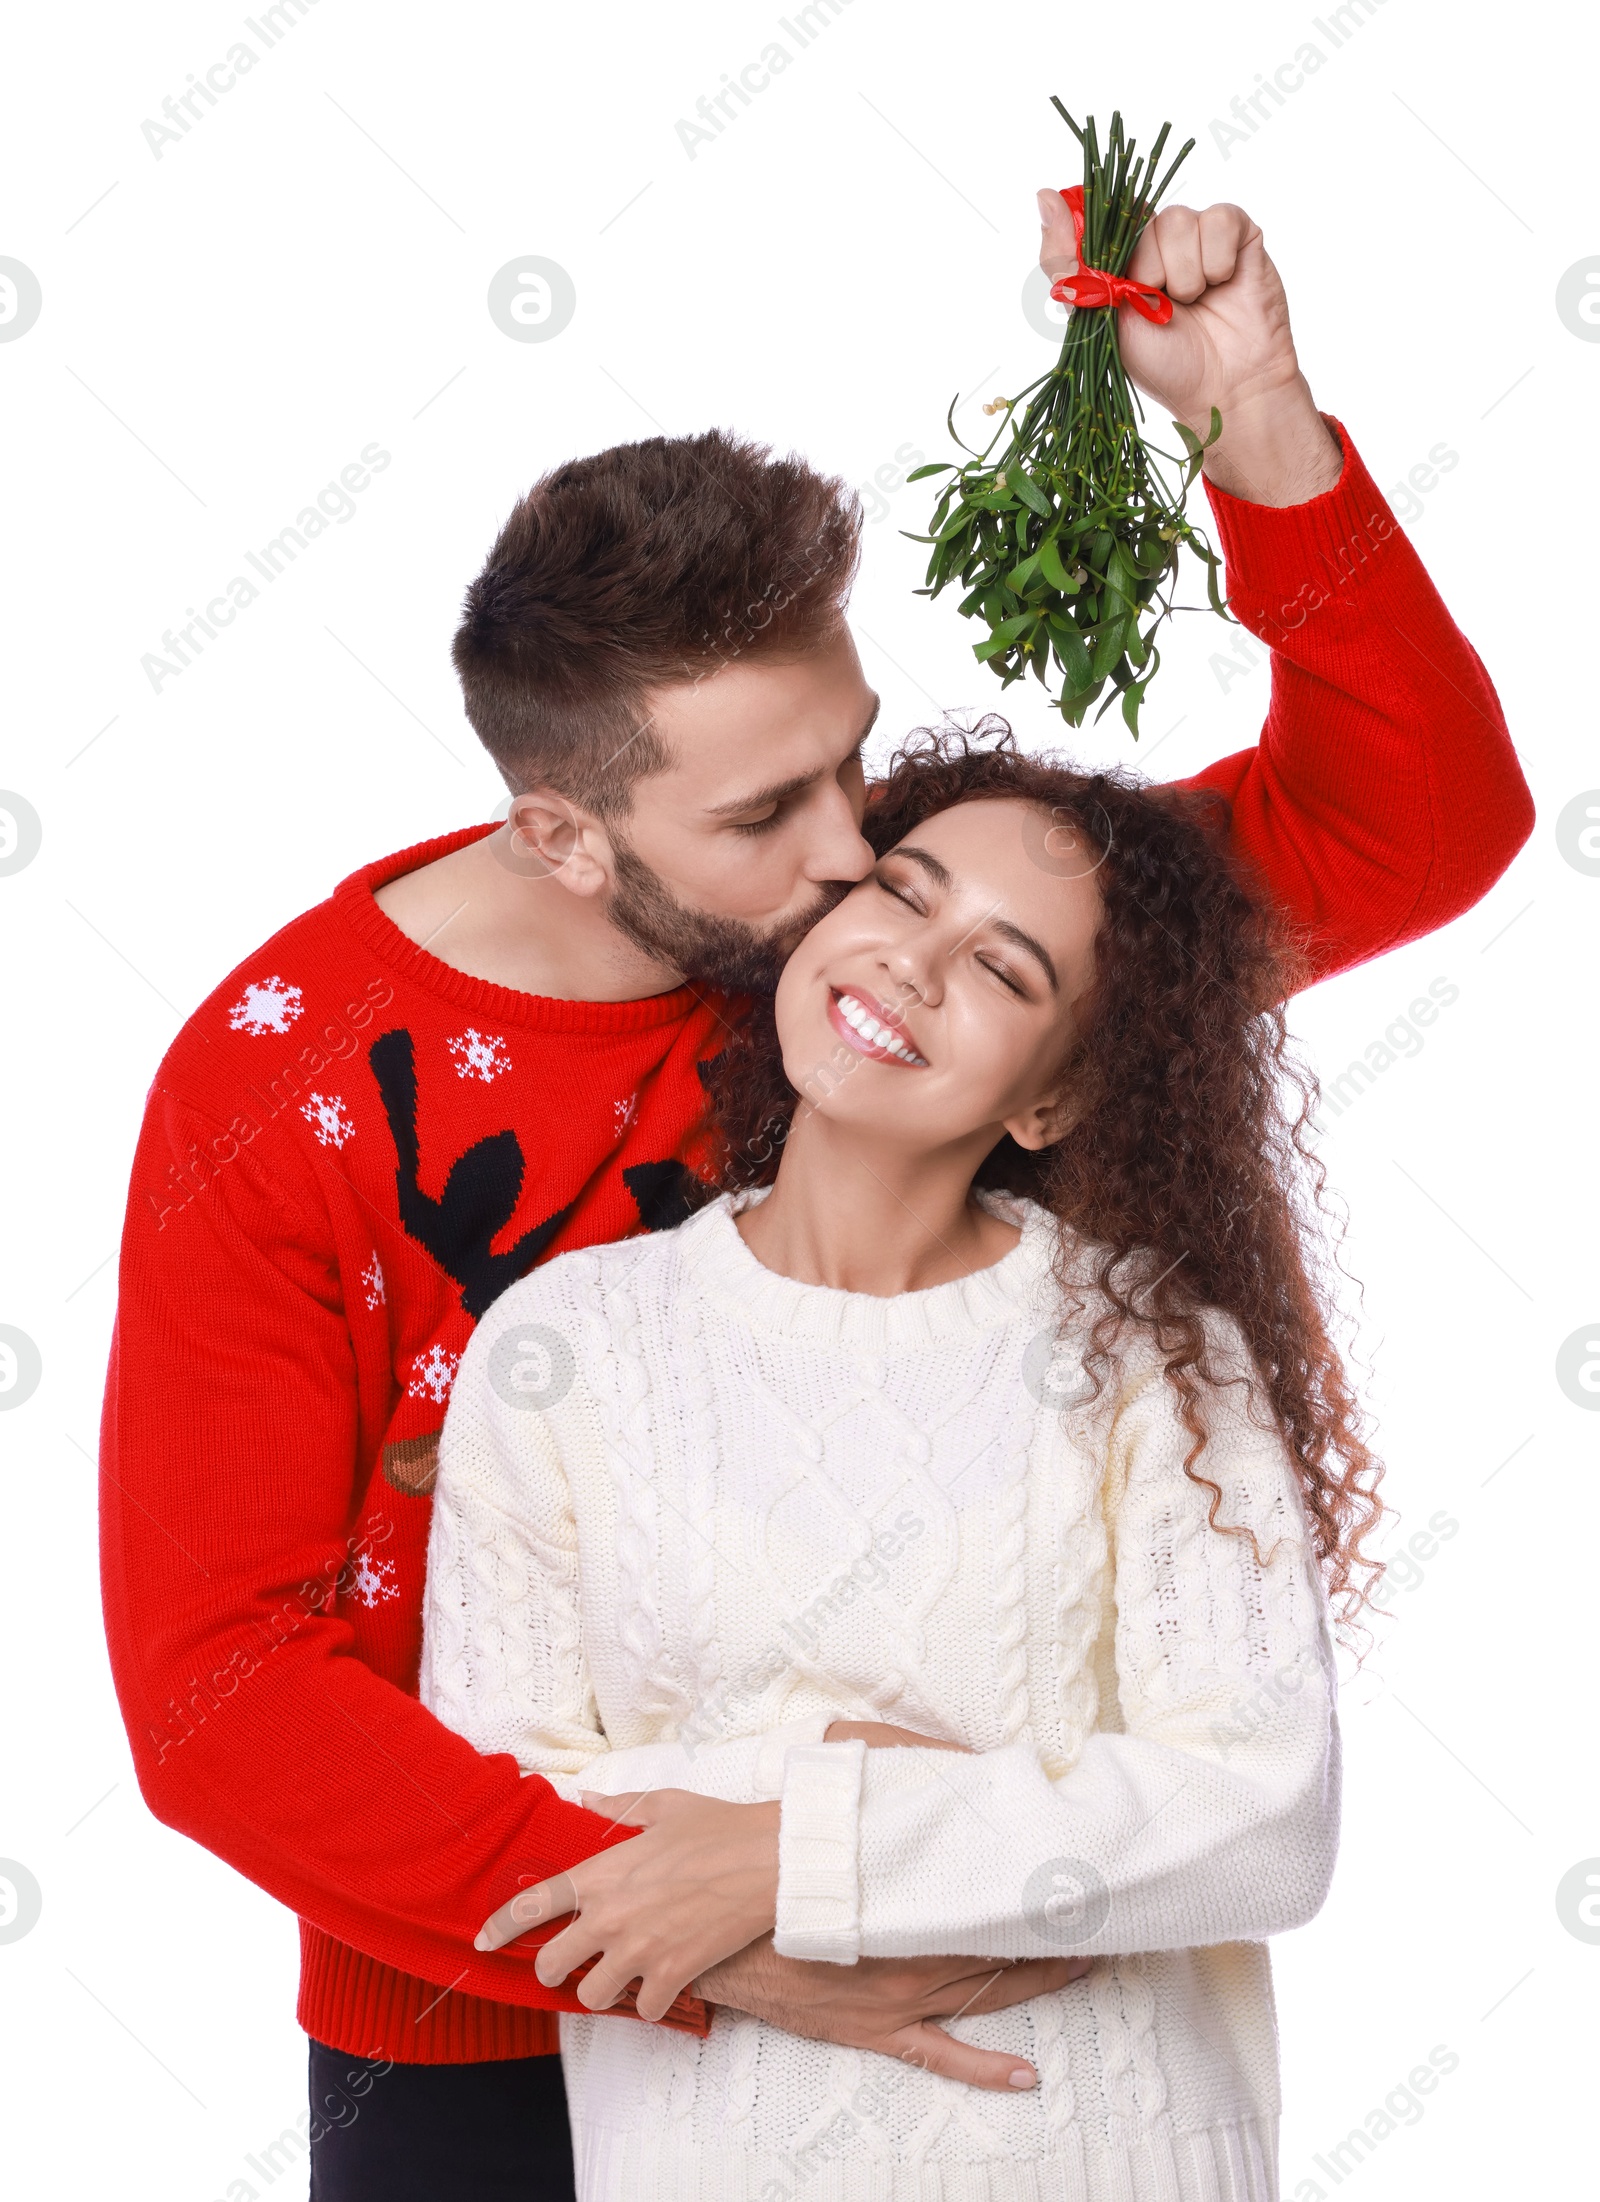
{"points": [[555, 838], [1042, 1122]]}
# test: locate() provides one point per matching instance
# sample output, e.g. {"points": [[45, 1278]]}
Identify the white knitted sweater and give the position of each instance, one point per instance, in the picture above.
{"points": [[689, 1511]]}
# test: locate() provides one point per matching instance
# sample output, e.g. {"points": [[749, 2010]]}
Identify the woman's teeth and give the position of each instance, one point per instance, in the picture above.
{"points": [[860, 1019]]}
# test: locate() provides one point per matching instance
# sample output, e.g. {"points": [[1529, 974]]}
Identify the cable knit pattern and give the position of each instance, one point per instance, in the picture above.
{"points": [[700, 1492], [760, 1506], [1011, 1576]]}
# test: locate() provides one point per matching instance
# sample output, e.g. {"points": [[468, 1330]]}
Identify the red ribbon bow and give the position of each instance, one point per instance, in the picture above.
{"points": [[1094, 287]]}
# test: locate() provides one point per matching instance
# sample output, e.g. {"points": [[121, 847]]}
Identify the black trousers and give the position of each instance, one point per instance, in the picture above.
{"points": [[386, 2132]]}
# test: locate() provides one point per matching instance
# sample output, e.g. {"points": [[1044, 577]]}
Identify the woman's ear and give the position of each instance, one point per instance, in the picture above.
{"points": [[1042, 1123], [556, 839]]}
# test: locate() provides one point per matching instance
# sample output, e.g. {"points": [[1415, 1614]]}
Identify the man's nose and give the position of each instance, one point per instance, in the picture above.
{"points": [[837, 848]]}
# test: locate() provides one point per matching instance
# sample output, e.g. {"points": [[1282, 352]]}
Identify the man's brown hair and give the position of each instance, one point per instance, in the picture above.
{"points": [[649, 563]]}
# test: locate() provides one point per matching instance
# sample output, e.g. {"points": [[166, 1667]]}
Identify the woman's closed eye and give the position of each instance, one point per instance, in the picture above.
{"points": [[901, 892], [1007, 978], [905, 893]]}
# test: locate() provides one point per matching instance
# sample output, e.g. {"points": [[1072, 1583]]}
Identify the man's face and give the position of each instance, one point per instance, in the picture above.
{"points": [[754, 831]]}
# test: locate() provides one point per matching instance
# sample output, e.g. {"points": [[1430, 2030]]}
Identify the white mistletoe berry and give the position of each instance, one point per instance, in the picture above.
{"points": [[480, 1054], [266, 1005], [328, 1118]]}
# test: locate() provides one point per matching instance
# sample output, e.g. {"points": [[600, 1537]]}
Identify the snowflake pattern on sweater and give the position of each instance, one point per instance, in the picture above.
{"points": [[433, 1373], [266, 1005], [483, 1055], [328, 1118], [373, 1580]]}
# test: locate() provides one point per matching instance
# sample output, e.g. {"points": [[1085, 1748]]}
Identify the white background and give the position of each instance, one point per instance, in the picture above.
{"points": [[304, 273]]}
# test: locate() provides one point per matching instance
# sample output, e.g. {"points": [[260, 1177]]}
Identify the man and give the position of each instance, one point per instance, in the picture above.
{"points": [[488, 1049]]}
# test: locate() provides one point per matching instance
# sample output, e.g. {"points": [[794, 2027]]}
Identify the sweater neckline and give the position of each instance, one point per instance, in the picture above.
{"points": [[354, 898], [764, 1301]]}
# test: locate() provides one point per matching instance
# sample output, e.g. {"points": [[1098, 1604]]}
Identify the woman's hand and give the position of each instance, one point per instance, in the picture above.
{"points": [[699, 1882], [696, 1884]]}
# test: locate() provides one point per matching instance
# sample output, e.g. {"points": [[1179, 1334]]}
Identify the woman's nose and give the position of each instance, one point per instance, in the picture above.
{"points": [[915, 976]]}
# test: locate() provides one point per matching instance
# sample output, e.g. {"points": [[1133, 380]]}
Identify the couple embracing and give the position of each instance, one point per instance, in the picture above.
{"points": [[719, 1391]]}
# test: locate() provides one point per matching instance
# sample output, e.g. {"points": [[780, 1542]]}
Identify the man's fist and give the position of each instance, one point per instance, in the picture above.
{"points": [[1227, 345]]}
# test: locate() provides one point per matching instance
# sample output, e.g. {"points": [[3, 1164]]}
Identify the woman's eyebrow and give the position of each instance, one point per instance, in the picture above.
{"points": [[937, 872], [1037, 948], [941, 876]]}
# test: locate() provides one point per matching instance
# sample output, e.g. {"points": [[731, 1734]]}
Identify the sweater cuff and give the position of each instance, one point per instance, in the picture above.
{"points": [[775, 1748], [819, 1881], [1273, 553]]}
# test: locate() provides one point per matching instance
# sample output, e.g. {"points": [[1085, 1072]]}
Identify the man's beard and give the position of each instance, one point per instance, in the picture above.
{"points": [[716, 951]]}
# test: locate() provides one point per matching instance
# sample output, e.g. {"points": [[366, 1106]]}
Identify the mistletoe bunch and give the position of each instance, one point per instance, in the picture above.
{"points": [[1066, 541]]}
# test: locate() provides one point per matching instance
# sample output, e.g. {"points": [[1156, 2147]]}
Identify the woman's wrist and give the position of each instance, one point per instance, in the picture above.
{"points": [[818, 1896], [742, 1869]]}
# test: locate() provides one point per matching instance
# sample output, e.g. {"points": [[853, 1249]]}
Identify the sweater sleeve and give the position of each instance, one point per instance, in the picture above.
{"points": [[1384, 796], [1210, 1815], [504, 1659], [229, 1451]]}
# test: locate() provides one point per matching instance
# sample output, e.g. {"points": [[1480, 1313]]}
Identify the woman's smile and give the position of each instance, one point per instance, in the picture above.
{"points": [[872, 1029]]}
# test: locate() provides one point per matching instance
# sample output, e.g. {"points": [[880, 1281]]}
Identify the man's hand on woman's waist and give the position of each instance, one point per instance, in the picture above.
{"points": [[891, 2005]]}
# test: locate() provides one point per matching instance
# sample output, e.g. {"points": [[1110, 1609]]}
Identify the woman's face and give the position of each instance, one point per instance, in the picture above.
{"points": [[935, 1002]]}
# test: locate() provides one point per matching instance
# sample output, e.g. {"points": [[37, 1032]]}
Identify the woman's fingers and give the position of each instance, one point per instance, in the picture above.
{"points": [[695, 1880], [931, 2049], [566, 1951], [656, 1997], [534, 1907], [603, 1984], [554, 1898]]}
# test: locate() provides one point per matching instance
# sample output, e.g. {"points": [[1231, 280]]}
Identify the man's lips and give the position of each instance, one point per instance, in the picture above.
{"points": [[867, 1026]]}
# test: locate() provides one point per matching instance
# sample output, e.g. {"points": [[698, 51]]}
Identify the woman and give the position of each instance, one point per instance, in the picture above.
{"points": [[999, 1414]]}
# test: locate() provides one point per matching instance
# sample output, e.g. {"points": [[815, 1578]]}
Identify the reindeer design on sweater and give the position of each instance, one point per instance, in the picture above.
{"points": [[482, 1187]]}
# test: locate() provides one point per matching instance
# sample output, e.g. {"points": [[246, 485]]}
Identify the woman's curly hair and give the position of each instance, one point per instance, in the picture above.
{"points": [[1186, 1174]]}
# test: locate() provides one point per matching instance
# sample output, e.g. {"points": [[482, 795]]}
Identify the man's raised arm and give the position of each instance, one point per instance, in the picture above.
{"points": [[1384, 796]]}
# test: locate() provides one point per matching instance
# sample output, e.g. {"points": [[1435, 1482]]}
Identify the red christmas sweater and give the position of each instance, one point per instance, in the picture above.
{"points": [[351, 1148]]}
